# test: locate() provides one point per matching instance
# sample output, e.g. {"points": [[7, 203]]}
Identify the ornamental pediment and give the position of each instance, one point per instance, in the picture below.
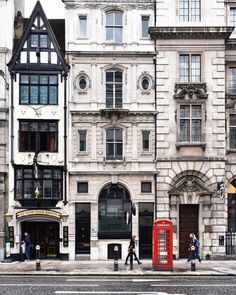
{"points": [[190, 91], [190, 184]]}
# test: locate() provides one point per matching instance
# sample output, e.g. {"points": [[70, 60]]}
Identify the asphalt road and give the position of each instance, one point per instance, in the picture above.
{"points": [[34, 285]]}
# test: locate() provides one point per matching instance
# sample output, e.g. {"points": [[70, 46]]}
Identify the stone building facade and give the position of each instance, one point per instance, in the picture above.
{"points": [[112, 118], [8, 11], [194, 72]]}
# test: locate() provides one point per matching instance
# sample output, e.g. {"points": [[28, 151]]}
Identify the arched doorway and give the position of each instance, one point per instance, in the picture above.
{"points": [[45, 234], [114, 209]]}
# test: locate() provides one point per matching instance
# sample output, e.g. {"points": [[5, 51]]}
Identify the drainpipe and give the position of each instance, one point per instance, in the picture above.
{"points": [[12, 117], [155, 115], [65, 139]]}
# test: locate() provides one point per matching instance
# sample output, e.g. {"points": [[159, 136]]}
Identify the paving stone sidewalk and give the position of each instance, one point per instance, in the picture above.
{"points": [[96, 268]]}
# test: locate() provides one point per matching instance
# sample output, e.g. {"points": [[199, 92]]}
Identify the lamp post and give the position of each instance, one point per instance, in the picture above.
{"points": [[64, 216], [8, 217], [3, 76]]}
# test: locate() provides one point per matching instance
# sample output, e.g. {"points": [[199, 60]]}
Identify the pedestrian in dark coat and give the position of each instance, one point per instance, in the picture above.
{"points": [[131, 251], [28, 245]]}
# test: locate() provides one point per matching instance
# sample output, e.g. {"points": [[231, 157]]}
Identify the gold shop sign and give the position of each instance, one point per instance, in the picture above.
{"points": [[38, 212]]}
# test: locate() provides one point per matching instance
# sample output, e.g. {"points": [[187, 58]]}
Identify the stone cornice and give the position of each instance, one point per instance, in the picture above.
{"points": [[104, 4], [231, 44], [111, 53], [102, 111], [190, 32]]}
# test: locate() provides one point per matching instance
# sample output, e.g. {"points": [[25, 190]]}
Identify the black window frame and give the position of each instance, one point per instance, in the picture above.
{"points": [[82, 187], [24, 175], [32, 135], [114, 206], [27, 87], [143, 189]]}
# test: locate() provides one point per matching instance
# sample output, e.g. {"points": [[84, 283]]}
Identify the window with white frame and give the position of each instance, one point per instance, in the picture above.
{"points": [[190, 68], [114, 26], [232, 80], [82, 26], [82, 140], [114, 85], [145, 25], [232, 18], [190, 123], [114, 144], [190, 10], [232, 131], [146, 140]]}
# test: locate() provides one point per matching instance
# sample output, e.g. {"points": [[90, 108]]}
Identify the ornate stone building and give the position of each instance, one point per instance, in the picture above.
{"points": [[195, 132], [112, 117]]}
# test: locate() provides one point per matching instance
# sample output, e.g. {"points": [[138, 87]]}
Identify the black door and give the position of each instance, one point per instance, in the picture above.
{"points": [[83, 228], [188, 223], [45, 234], [145, 229]]}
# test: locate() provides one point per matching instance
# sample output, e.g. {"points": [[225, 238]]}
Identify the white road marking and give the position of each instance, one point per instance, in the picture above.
{"points": [[123, 280], [114, 292], [196, 285], [49, 285]]}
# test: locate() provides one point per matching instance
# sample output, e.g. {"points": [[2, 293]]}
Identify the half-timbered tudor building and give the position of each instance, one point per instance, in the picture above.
{"points": [[38, 150]]}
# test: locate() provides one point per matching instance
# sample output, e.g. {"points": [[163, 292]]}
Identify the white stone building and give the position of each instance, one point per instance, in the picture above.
{"points": [[8, 11], [195, 145], [112, 109]]}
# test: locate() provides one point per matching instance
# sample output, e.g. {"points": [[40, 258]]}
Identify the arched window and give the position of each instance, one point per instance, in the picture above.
{"points": [[114, 144], [114, 211], [114, 26], [114, 83]]}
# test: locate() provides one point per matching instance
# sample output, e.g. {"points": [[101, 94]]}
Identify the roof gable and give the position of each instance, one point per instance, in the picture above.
{"points": [[38, 48]]}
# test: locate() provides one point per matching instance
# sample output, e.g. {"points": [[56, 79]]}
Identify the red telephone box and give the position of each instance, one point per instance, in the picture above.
{"points": [[162, 245]]}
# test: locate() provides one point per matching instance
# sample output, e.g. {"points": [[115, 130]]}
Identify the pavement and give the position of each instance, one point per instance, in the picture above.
{"points": [[106, 268]]}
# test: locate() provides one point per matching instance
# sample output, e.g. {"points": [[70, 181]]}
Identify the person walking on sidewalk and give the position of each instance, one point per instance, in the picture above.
{"points": [[194, 248], [28, 246], [131, 250]]}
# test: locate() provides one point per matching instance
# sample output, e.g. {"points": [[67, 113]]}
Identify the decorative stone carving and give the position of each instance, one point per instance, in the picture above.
{"points": [[230, 101], [190, 92], [190, 184]]}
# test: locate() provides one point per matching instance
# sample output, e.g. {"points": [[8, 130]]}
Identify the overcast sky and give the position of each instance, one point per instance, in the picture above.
{"points": [[52, 8]]}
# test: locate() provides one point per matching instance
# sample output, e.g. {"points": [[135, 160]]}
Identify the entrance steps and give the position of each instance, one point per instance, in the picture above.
{"points": [[82, 257]]}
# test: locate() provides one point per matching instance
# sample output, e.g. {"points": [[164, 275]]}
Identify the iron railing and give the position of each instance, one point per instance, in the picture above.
{"points": [[231, 243]]}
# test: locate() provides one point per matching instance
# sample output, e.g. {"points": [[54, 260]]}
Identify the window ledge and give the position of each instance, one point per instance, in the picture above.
{"points": [[191, 144], [82, 154]]}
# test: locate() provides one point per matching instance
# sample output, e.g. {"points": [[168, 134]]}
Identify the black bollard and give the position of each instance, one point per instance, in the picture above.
{"points": [[193, 265], [131, 260], [37, 248], [116, 258]]}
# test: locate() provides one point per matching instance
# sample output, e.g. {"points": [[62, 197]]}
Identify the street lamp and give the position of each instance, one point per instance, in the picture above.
{"points": [[8, 216], [3, 75], [64, 216]]}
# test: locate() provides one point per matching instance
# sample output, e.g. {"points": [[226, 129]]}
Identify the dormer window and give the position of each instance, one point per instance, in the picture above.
{"points": [[38, 40], [114, 26]]}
